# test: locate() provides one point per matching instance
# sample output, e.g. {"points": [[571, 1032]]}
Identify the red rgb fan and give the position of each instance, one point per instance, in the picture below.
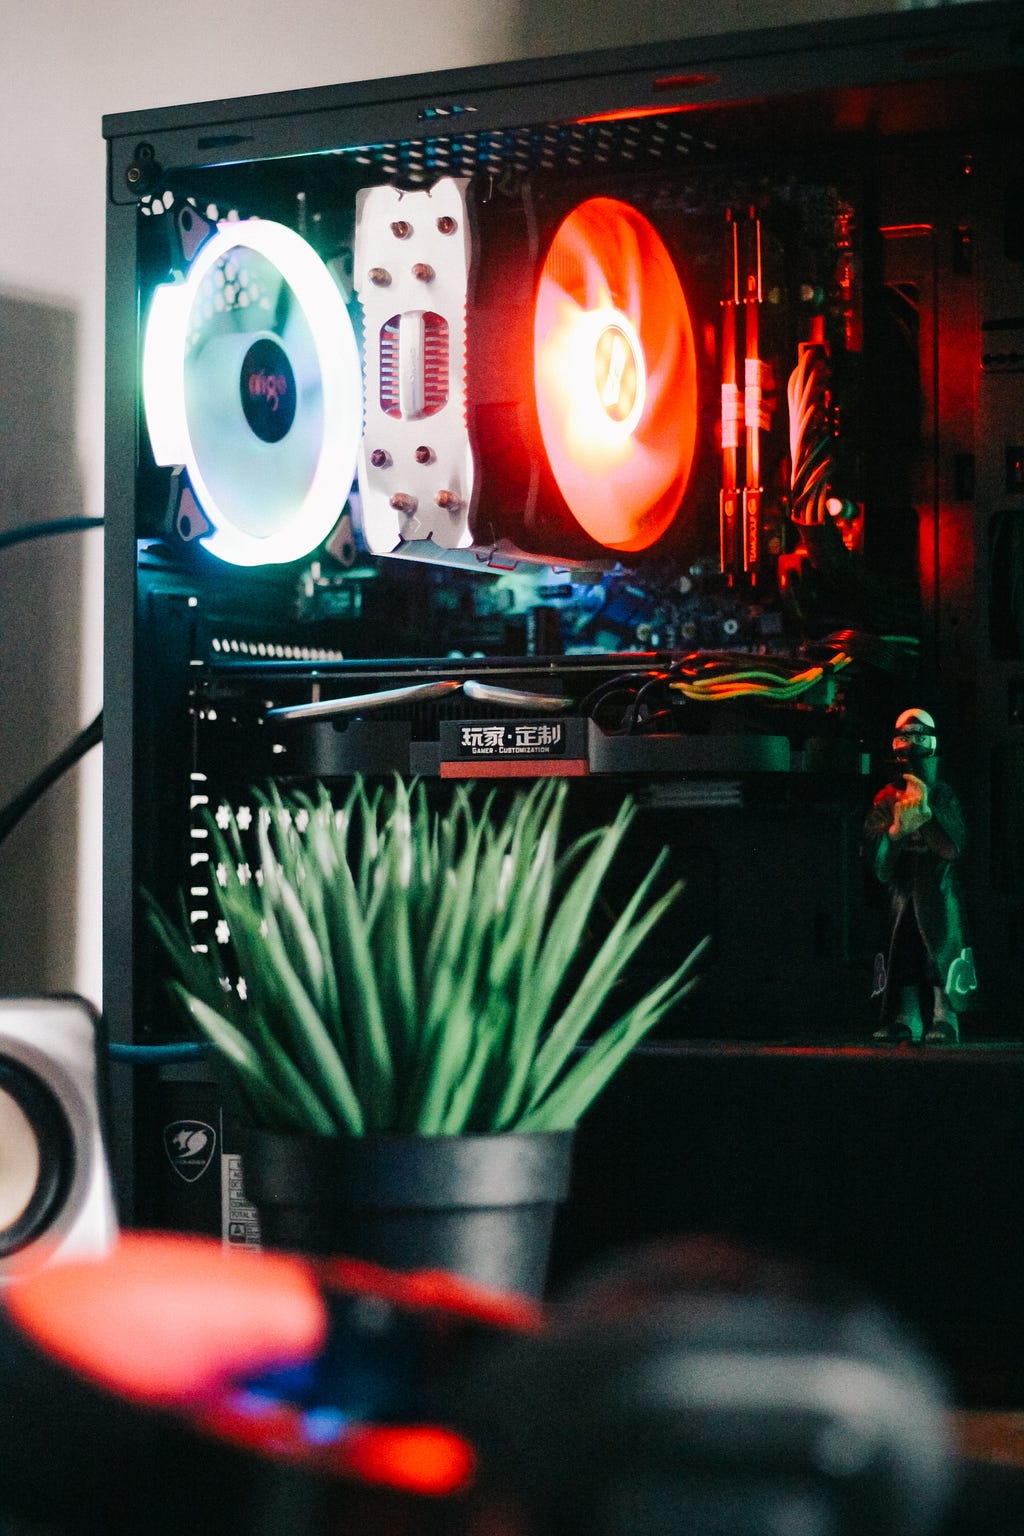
{"points": [[615, 374]]}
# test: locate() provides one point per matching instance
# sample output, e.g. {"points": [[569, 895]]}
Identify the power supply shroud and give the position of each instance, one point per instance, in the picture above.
{"points": [[864, 176]]}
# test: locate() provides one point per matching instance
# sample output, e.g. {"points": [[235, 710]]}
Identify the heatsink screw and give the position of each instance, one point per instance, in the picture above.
{"points": [[379, 459], [448, 501], [401, 229], [446, 224], [403, 503], [424, 455], [380, 277], [423, 273]]}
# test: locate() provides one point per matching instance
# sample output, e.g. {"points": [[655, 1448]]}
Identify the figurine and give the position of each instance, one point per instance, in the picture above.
{"points": [[913, 836]]}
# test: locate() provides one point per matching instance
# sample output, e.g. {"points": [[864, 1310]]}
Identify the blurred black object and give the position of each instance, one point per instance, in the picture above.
{"points": [[690, 1388], [694, 1390]]}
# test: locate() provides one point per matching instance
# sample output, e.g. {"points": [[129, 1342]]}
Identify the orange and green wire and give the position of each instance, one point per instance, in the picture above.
{"points": [[759, 683], [756, 683]]}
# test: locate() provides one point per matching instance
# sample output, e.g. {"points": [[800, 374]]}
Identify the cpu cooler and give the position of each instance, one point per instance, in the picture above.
{"points": [[533, 387], [531, 382], [412, 271]]}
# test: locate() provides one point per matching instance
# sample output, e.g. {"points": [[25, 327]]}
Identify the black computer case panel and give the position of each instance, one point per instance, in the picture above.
{"points": [[350, 450]]}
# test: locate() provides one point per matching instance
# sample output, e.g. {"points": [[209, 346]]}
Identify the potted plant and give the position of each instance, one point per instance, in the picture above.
{"points": [[402, 1014]]}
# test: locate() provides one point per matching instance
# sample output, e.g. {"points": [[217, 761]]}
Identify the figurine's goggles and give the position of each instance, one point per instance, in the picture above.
{"points": [[914, 741]]}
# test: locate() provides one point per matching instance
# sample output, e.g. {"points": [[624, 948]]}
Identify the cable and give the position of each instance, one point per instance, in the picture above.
{"points": [[631, 718], [621, 683], [760, 684], [892, 653], [810, 443], [13, 812], [22, 803], [44, 530], [157, 1055]]}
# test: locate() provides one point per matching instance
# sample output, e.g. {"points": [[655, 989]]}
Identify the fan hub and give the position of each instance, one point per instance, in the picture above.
{"points": [[267, 387], [620, 377]]}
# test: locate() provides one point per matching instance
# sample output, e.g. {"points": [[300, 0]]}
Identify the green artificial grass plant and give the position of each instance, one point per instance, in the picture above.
{"points": [[400, 971]]}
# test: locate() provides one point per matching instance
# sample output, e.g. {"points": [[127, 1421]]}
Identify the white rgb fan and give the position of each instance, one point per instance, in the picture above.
{"points": [[251, 381]]}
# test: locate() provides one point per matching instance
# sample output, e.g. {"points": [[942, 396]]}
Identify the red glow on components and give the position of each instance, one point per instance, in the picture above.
{"points": [[266, 1428], [685, 82], [615, 374], [432, 1289], [167, 1320], [627, 114], [424, 1459], [665, 84]]}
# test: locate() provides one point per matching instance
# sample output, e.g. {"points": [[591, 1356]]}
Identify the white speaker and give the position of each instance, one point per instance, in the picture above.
{"points": [[55, 1192]]}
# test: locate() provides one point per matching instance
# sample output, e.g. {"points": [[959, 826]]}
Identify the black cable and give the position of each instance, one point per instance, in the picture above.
{"points": [[620, 683], [631, 716], [44, 530], [22, 803], [13, 812]]}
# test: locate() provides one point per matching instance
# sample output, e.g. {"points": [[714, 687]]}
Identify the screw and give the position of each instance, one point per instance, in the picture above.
{"points": [[403, 503], [380, 277], [423, 273], [143, 167], [424, 454], [379, 459], [448, 501], [401, 229], [446, 224]]}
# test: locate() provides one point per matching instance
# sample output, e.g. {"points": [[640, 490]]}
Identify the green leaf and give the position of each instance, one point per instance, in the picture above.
{"points": [[625, 938], [398, 968], [311, 1039], [570, 1098], [572, 912], [357, 971], [301, 1110]]}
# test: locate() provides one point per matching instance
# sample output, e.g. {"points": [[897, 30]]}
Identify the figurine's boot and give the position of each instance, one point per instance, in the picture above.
{"points": [[908, 1024], [944, 1028]]}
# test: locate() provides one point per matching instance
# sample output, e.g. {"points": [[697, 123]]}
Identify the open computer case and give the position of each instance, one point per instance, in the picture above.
{"points": [[651, 417]]}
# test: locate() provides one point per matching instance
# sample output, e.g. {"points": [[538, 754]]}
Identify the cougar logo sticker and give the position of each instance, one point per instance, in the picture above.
{"points": [[189, 1145]]}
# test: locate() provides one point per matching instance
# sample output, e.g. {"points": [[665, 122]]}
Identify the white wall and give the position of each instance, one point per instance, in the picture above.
{"points": [[64, 65]]}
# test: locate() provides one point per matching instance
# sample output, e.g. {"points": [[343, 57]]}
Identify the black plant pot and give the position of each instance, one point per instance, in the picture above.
{"points": [[478, 1206]]}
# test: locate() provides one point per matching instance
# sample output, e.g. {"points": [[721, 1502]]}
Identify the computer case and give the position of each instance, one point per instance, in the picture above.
{"points": [[805, 251]]}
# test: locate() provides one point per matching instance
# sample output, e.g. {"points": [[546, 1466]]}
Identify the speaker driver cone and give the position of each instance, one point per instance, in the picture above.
{"points": [[37, 1157]]}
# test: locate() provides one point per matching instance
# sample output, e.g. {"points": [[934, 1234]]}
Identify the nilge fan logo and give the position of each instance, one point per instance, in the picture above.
{"points": [[616, 373], [190, 1146], [267, 387], [273, 385]]}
